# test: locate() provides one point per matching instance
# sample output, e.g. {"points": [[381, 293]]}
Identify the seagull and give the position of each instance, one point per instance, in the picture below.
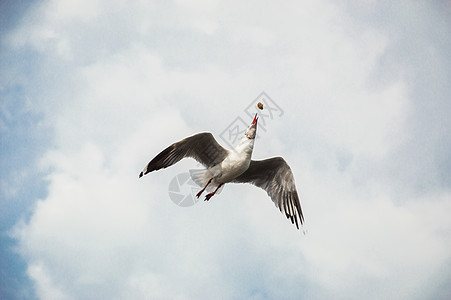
{"points": [[236, 166]]}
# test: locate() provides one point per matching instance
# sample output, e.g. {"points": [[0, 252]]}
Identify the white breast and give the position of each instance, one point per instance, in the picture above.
{"points": [[237, 162]]}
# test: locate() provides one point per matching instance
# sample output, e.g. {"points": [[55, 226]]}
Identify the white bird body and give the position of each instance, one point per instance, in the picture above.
{"points": [[238, 161], [235, 164], [224, 166]]}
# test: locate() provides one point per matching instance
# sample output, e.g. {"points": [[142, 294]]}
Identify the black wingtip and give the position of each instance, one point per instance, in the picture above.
{"points": [[141, 174]]}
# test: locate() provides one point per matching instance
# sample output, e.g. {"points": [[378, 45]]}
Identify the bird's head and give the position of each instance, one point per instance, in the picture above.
{"points": [[252, 130]]}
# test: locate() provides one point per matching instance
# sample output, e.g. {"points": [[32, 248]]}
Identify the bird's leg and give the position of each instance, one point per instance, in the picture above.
{"points": [[202, 190], [208, 196]]}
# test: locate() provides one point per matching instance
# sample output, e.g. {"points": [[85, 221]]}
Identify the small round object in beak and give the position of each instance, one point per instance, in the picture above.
{"points": [[260, 105]]}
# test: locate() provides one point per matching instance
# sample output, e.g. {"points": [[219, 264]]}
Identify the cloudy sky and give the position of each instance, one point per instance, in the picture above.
{"points": [[91, 90]]}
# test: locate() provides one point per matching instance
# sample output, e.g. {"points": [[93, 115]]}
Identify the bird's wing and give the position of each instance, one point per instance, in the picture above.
{"points": [[275, 177], [202, 147]]}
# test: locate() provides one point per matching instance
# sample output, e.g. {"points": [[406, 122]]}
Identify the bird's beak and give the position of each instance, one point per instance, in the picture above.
{"points": [[255, 119]]}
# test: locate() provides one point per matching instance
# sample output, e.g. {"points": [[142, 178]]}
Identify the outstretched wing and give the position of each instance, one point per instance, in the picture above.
{"points": [[275, 177], [202, 147]]}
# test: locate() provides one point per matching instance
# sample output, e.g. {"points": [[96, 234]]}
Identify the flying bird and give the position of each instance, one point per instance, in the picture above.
{"points": [[235, 166]]}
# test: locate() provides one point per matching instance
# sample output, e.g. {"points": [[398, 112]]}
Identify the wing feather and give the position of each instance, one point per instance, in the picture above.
{"points": [[275, 177], [202, 147]]}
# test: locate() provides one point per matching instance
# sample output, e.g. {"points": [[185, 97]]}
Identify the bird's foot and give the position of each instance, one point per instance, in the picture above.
{"points": [[200, 193], [202, 190], [208, 196]]}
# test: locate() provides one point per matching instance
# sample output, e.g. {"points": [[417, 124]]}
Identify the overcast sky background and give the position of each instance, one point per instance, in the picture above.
{"points": [[91, 90]]}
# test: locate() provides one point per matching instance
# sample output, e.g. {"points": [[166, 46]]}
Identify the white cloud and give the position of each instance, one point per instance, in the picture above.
{"points": [[198, 15], [129, 79], [45, 288]]}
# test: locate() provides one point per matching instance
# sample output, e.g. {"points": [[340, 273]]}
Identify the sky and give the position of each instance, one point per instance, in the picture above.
{"points": [[91, 90]]}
